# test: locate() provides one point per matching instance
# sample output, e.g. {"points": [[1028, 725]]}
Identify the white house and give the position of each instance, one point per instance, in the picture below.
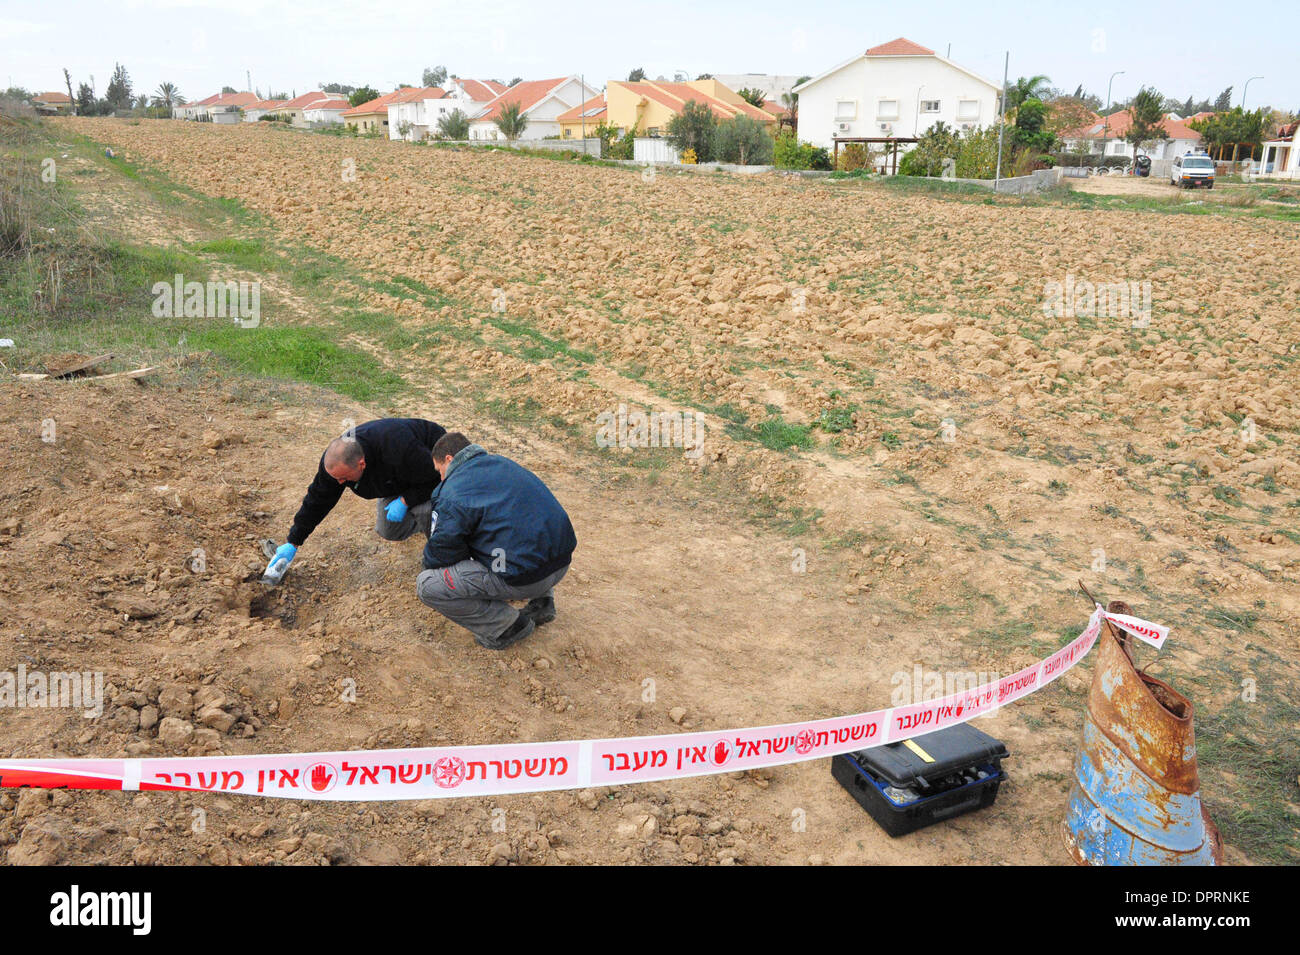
{"points": [[541, 101], [413, 111], [259, 109], [897, 89], [1281, 156], [325, 111], [1105, 137]]}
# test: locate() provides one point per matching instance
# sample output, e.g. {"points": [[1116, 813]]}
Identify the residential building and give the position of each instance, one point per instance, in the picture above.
{"points": [[583, 119], [897, 89], [259, 109], [325, 111], [413, 112], [1105, 137], [52, 103], [1281, 156], [541, 101], [293, 110], [649, 105], [372, 116], [772, 87]]}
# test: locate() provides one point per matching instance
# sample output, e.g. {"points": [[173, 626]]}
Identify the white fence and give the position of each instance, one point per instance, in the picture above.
{"points": [[651, 149]]}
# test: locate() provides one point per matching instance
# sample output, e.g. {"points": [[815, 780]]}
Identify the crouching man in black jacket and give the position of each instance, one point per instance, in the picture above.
{"points": [[498, 535], [390, 460]]}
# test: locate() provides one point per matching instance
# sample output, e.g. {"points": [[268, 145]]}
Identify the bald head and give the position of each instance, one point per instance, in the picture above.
{"points": [[345, 459]]}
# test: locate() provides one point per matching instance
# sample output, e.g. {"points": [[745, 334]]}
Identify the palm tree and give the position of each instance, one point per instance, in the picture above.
{"points": [[790, 101], [453, 125], [511, 122], [1027, 87], [166, 95]]}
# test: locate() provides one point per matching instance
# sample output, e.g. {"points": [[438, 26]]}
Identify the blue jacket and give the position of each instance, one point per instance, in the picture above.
{"points": [[500, 514]]}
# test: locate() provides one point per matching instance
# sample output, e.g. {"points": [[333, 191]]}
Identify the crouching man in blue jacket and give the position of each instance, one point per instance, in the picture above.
{"points": [[498, 534]]}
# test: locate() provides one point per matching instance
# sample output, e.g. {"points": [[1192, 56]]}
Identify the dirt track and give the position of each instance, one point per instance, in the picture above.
{"points": [[949, 556]]}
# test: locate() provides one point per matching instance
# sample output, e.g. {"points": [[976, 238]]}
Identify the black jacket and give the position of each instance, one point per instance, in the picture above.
{"points": [[399, 463], [500, 514]]}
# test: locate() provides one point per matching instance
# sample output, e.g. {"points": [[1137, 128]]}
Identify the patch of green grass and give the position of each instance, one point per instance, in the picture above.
{"points": [[301, 354], [775, 433]]}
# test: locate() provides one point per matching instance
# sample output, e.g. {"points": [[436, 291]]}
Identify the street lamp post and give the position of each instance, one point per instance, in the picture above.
{"points": [[1243, 91], [1105, 135]]}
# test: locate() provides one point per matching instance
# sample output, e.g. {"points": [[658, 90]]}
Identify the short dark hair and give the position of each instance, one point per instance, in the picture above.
{"points": [[449, 445], [344, 450]]}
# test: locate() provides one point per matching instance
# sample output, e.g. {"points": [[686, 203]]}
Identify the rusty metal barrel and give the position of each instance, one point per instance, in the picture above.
{"points": [[1136, 798]]}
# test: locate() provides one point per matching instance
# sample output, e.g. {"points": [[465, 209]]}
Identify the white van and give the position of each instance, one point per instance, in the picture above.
{"points": [[1192, 170]]}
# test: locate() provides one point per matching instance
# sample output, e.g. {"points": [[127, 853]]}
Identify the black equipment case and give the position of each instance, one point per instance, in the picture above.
{"points": [[956, 770]]}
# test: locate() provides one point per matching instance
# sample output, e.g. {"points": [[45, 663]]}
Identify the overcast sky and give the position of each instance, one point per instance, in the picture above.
{"points": [[1182, 47]]}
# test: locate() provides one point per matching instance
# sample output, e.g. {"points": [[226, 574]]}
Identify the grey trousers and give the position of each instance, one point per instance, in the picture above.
{"points": [[418, 518], [473, 596]]}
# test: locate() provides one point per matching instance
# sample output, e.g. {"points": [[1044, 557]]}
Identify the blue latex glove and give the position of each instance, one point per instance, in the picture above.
{"points": [[285, 552], [396, 511]]}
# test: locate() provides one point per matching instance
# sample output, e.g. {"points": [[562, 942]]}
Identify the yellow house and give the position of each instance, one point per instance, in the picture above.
{"points": [[583, 120], [649, 105]]}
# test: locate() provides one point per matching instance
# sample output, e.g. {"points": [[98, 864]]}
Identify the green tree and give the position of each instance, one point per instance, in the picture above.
{"points": [[753, 97], [1030, 130], [789, 153], [693, 128], [118, 93], [337, 88], [1227, 132], [434, 76], [790, 101], [938, 143], [363, 94], [742, 140], [1147, 112], [1223, 100], [453, 125], [167, 96], [516, 81], [228, 89], [1027, 87], [511, 121], [636, 76]]}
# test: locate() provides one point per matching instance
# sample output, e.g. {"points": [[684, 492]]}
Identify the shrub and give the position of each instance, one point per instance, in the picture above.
{"points": [[789, 153], [453, 125], [854, 156], [742, 140], [693, 128]]}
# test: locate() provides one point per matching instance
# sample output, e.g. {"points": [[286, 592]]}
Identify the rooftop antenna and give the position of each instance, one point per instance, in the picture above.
{"points": [[948, 55]]}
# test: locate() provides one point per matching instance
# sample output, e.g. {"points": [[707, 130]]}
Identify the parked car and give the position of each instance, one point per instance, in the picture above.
{"points": [[1192, 170]]}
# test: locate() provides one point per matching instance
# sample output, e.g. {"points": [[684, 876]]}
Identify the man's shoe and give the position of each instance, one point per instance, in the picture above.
{"points": [[541, 609], [521, 628]]}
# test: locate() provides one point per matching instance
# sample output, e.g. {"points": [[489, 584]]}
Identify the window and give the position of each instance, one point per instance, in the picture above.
{"points": [[968, 109], [568, 133], [887, 109], [929, 106], [845, 110]]}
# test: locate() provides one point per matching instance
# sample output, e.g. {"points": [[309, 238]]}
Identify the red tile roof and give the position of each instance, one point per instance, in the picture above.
{"points": [[481, 91], [339, 104], [233, 99], [52, 97], [267, 104], [594, 110], [773, 107], [677, 95], [899, 47], [1119, 123], [300, 102], [527, 94]]}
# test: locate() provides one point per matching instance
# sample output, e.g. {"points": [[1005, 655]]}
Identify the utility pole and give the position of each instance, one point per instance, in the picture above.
{"points": [[1002, 113]]}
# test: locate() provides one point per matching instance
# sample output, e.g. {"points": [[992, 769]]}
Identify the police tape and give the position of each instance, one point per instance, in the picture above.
{"points": [[500, 769]]}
